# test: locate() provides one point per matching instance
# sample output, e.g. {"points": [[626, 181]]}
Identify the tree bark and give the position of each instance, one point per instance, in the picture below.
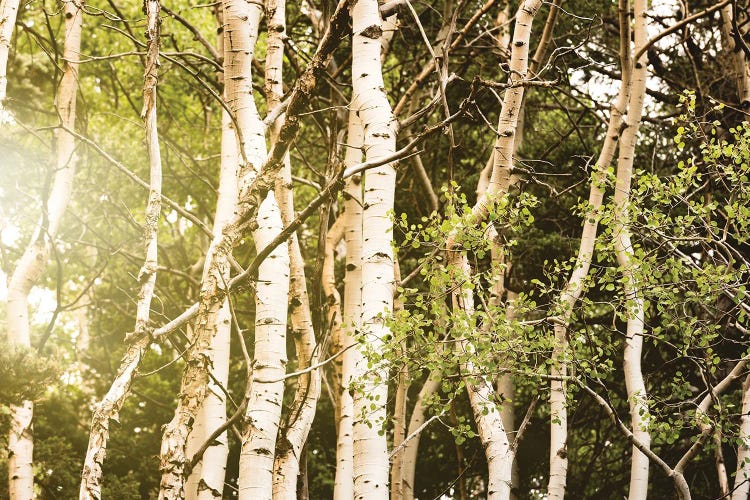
{"points": [[351, 317], [370, 396], [290, 448], [108, 409], [206, 480], [573, 289], [263, 416], [628, 262], [8, 15], [33, 262], [418, 417]]}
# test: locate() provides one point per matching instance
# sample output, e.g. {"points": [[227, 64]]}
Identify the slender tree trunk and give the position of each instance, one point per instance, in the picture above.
{"points": [[248, 143], [263, 415], [210, 472], [290, 447], [370, 397], [33, 262], [574, 287], [418, 417], [721, 468], [344, 481], [8, 15], [481, 392], [254, 191], [741, 69], [742, 477], [403, 381], [333, 311], [636, 389], [506, 390], [108, 409], [206, 480]]}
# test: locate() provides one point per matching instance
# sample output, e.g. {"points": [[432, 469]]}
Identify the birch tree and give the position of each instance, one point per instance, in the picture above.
{"points": [[8, 14], [33, 262], [575, 285], [109, 407], [628, 261], [263, 416], [370, 103], [351, 316], [293, 435]]}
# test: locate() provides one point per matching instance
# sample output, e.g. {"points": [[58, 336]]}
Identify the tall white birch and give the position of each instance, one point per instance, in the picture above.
{"points": [[573, 289], [139, 340], [255, 196], [33, 262], [262, 418], [351, 317], [634, 384], [370, 102], [481, 392], [292, 438], [8, 15], [206, 480], [411, 448]]}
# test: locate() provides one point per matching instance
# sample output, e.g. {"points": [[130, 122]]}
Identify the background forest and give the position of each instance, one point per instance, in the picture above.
{"points": [[557, 191]]}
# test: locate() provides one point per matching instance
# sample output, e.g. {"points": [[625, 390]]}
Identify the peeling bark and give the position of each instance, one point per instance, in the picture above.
{"points": [[109, 407], [292, 438]]}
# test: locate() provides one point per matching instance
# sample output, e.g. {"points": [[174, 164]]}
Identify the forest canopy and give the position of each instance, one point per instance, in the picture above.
{"points": [[374, 249]]}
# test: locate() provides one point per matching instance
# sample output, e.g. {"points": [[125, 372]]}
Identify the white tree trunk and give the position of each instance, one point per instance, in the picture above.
{"points": [[481, 392], [8, 15], [370, 397], [634, 383], [245, 148], [108, 409], [418, 417], [33, 262], [742, 477], [506, 390], [263, 415], [302, 411], [206, 479], [574, 287], [403, 382], [351, 317]]}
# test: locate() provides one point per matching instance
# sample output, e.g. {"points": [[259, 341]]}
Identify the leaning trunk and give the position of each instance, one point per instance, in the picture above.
{"points": [[108, 409], [574, 287], [410, 449], [33, 262]]}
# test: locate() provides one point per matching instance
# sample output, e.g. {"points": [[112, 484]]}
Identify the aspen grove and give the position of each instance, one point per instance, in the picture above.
{"points": [[368, 249]]}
